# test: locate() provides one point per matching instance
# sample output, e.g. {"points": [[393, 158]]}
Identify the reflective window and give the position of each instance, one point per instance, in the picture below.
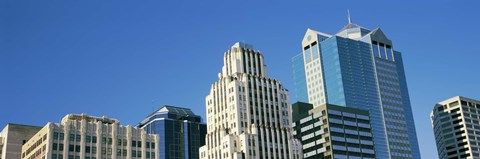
{"points": [[308, 55], [389, 54], [315, 52], [375, 51]]}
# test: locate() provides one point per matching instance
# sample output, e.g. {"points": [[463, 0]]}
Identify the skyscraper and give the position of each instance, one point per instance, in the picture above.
{"points": [[247, 112], [181, 132], [359, 68], [455, 123]]}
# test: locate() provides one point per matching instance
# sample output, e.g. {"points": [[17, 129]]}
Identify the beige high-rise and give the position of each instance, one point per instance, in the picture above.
{"points": [[456, 124], [247, 112], [88, 137]]}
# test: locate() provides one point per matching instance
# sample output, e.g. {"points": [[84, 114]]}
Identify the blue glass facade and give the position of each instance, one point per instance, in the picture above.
{"points": [[350, 81], [299, 78], [181, 132], [364, 71]]}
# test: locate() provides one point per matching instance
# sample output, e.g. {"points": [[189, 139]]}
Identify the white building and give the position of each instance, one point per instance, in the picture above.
{"points": [[247, 112], [456, 124], [12, 137], [87, 137]]}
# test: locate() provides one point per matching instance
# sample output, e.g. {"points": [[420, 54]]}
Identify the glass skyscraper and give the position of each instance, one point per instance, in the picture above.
{"points": [[360, 68], [181, 132]]}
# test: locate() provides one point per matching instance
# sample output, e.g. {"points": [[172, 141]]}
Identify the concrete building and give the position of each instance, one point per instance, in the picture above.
{"points": [[12, 137], [330, 131], [181, 132], [360, 68], [456, 124], [247, 112], [88, 137]]}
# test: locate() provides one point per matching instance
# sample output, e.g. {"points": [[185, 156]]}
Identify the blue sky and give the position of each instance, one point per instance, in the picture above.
{"points": [[124, 59]]}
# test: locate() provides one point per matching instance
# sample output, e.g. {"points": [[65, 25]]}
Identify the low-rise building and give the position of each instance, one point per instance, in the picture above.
{"points": [[331, 131], [12, 137], [89, 137]]}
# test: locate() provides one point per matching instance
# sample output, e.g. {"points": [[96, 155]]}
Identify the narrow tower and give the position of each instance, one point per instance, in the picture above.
{"points": [[247, 112]]}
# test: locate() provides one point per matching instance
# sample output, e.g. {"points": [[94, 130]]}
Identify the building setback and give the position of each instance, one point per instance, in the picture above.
{"points": [[456, 126], [181, 132], [359, 68], [88, 137], [12, 137], [247, 112], [330, 131]]}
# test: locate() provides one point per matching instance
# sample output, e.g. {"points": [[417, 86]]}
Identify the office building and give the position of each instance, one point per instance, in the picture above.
{"points": [[247, 112], [12, 137], [88, 137], [456, 125], [330, 131], [360, 68], [181, 132]]}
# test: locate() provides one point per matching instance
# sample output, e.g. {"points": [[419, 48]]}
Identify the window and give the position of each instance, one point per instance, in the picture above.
{"points": [[104, 150], [71, 148], [60, 136], [72, 137], [88, 139], [55, 135], [77, 138], [60, 147], [54, 146]]}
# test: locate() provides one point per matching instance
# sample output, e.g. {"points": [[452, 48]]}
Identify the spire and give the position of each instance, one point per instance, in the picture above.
{"points": [[349, 19]]}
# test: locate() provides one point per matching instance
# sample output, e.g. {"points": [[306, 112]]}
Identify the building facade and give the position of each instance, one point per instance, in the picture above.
{"points": [[360, 68], [181, 132], [88, 137], [247, 112], [456, 125], [12, 137], [330, 131]]}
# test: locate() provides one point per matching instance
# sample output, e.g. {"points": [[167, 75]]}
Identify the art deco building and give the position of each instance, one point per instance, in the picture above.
{"points": [[12, 137], [88, 137], [456, 124], [330, 131], [247, 112], [181, 132], [360, 68]]}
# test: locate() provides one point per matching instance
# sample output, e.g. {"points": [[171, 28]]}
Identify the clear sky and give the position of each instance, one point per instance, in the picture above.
{"points": [[124, 59]]}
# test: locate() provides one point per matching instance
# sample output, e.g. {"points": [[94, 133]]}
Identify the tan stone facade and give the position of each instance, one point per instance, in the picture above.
{"points": [[12, 137], [87, 137]]}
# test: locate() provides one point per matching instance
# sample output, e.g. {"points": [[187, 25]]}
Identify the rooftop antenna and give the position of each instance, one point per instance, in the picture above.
{"points": [[349, 19]]}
